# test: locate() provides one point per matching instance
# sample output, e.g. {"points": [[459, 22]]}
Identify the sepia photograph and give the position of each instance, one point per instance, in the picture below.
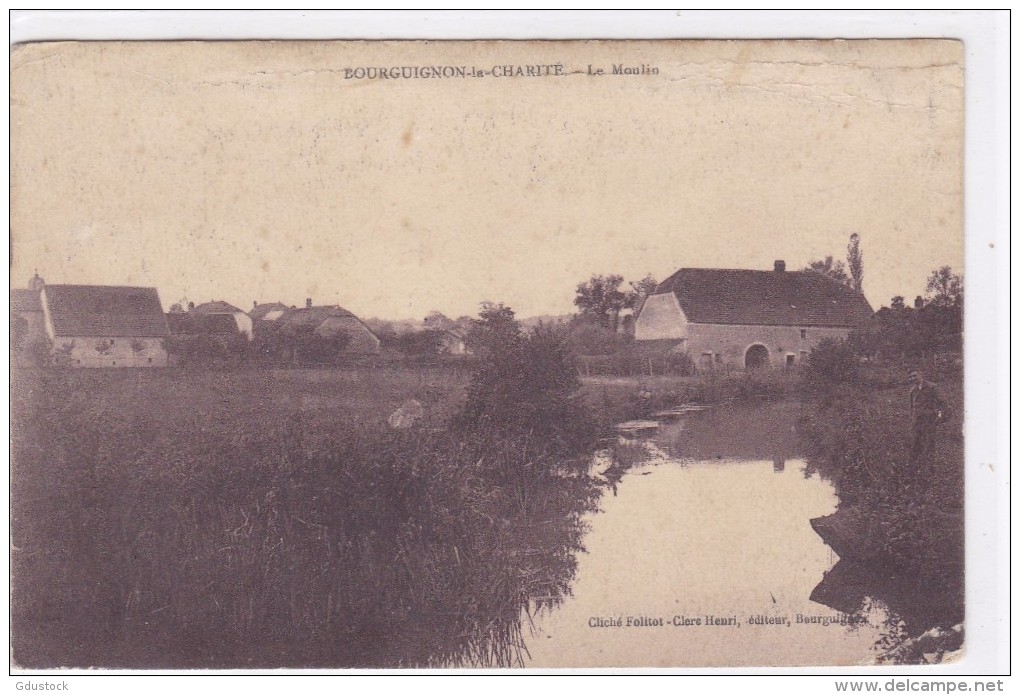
{"points": [[487, 354]]}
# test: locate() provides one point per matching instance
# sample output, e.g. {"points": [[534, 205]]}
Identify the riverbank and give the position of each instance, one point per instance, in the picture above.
{"points": [[614, 399], [899, 516]]}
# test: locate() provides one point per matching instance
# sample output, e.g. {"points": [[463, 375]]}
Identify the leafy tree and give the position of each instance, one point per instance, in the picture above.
{"points": [[525, 385], [855, 263], [834, 269], [898, 302], [495, 326], [601, 300], [944, 288]]}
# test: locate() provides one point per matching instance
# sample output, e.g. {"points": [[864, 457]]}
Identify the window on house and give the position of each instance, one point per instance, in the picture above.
{"points": [[803, 333], [789, 360], [718, 358], [150, 360]]}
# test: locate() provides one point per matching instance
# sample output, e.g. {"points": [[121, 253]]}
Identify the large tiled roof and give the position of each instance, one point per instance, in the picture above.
{"points": [[217, 307], [25, 300], [259, 312], [765, 298], [102, 311], [201, 324], [312, 316]]}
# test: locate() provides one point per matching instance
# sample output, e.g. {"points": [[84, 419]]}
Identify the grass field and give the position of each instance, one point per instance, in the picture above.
{"points": [[360, 393]]}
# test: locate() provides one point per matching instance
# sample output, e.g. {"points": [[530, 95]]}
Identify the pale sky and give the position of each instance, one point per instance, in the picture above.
{"points": [[256, 171]]}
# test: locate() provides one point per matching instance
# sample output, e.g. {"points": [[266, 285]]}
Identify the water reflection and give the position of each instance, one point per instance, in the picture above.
{"points": [[706, 548]]}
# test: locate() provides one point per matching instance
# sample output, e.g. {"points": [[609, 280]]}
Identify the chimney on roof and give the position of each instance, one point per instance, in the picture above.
{"points": [[308, 303], [191, 305], [254, 304], [780, 266], [918, 302]]}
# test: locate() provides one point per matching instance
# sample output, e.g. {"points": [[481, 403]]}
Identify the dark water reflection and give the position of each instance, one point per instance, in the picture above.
{"points": [[713, 524]]}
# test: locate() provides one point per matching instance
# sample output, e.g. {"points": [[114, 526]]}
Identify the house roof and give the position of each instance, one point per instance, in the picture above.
{"points": [[201, 324], [325, 320], [260, 311], [312, 316], [25, 300], [103, 311], [216, 307], [765, 297]]}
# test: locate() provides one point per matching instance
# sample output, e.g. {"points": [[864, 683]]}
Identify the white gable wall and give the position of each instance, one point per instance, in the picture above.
{"points": [[661, 318], [243, 322]]}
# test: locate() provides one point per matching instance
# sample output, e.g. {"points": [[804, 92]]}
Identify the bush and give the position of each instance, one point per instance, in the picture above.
{"points": [[528, 386], [297, 345], [831, 362]]}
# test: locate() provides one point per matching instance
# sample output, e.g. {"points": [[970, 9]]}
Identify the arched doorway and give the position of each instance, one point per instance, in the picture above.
{"points": [[756, 357]]}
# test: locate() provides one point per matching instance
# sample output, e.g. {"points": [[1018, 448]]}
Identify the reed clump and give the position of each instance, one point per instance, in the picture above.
{"points": [[144, 539]]}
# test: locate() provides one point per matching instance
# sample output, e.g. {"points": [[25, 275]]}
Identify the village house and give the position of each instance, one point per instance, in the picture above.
{"points": [[452, 342], [102, 326], [269, 311], [221, 308], [327, 322], [748, 318]]}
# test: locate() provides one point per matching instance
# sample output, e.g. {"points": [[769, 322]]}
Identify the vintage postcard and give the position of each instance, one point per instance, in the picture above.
{"points": [[523, 354]]}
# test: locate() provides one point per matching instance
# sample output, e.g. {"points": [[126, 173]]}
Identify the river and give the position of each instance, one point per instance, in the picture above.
{"points": [[703, 555]]}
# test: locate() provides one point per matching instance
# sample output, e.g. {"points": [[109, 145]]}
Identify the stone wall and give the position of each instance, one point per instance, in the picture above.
{"points": [[728, 344]]}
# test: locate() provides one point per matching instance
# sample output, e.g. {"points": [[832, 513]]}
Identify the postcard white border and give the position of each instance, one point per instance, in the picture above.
{"points": [[987, 244]]}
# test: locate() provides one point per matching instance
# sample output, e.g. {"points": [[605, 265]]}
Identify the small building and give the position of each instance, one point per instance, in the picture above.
{"points": [[103, 326], [452, 342], [222, 308], [748, 318]]}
